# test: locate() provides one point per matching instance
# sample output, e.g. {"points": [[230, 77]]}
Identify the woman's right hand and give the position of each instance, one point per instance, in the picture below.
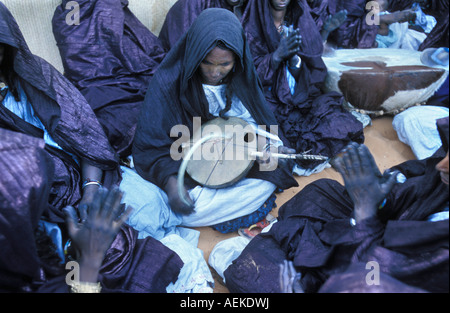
{"points": [[181, 204]]}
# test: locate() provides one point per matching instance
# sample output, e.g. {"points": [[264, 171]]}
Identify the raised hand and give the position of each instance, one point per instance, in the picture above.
{"points": [[363, 180], [95, 229], [289, 46]]}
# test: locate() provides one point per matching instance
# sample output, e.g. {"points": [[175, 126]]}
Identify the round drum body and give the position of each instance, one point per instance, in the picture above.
{"points": [[388, 80], [224, 159]]}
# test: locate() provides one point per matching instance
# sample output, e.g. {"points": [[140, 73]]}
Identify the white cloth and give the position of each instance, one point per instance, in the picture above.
{"points": [[195, 276], [416, 127], [151, 216]]}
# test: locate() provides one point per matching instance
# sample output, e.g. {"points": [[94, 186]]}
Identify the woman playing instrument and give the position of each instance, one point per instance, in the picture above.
{"points": [[208, 74], [287, 49]]}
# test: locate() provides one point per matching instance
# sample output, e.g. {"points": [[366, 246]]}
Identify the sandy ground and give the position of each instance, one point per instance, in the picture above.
{"points": [[387, 150]]}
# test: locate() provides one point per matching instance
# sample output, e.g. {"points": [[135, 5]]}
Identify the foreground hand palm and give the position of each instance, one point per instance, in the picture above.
{"points": [[100, 223], [363, 180]]}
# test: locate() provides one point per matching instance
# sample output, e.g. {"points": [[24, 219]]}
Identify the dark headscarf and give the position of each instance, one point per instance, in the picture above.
{"points": [[110, 57], [175, 95], [64, 112], [181, 16]]}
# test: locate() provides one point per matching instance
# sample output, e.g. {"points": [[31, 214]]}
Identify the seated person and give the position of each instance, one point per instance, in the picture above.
{"points": [[394, 30], [105, 253], [209, 73], [416, 127], [355, 31], [326, 20], [392, 220], [183, 13], [287, 51], [110, 57], [436, 10], [39, 101]]}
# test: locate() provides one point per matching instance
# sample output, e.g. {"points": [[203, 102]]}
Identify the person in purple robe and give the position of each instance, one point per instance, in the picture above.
{"points": [[353, 31], [391, 228], [39, 101], [109, 256], [54, 155], [110, 56], [287, 50], [208, 74], [183, 13], [438, 37], [326, 17]]}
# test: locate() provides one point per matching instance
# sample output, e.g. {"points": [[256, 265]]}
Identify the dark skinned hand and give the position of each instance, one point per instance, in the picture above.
{"points": [[334, 21], [289, 46], [269, 162], [408, 15], [176, 203], [363, 180], [100, 221]]}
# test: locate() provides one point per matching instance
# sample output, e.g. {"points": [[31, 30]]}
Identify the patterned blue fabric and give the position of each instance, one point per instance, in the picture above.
{"points": [[248, 220]]}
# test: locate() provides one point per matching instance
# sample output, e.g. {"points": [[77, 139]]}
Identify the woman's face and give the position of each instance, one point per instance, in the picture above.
{"points": [[280, 4], [216, 66], [442, 167]]}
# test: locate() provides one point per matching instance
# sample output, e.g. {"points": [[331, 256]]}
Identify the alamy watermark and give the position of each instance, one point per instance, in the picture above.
{"points": [[73, 276], [73, 17], [230, 142], [373, 276], [373, 17]]}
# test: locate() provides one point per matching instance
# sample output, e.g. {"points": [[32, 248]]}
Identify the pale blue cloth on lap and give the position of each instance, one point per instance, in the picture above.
{"points": [[416, 127]]}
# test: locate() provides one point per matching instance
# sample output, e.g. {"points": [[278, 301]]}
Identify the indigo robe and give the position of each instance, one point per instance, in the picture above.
{"points": [[27, 263], [175, 96], [65, 114], [110, 57], [354, 32], [314, 231], [309, 119]]}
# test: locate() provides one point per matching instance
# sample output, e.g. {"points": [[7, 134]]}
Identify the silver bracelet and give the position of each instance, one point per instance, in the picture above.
{"points": [[91, 182]]}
